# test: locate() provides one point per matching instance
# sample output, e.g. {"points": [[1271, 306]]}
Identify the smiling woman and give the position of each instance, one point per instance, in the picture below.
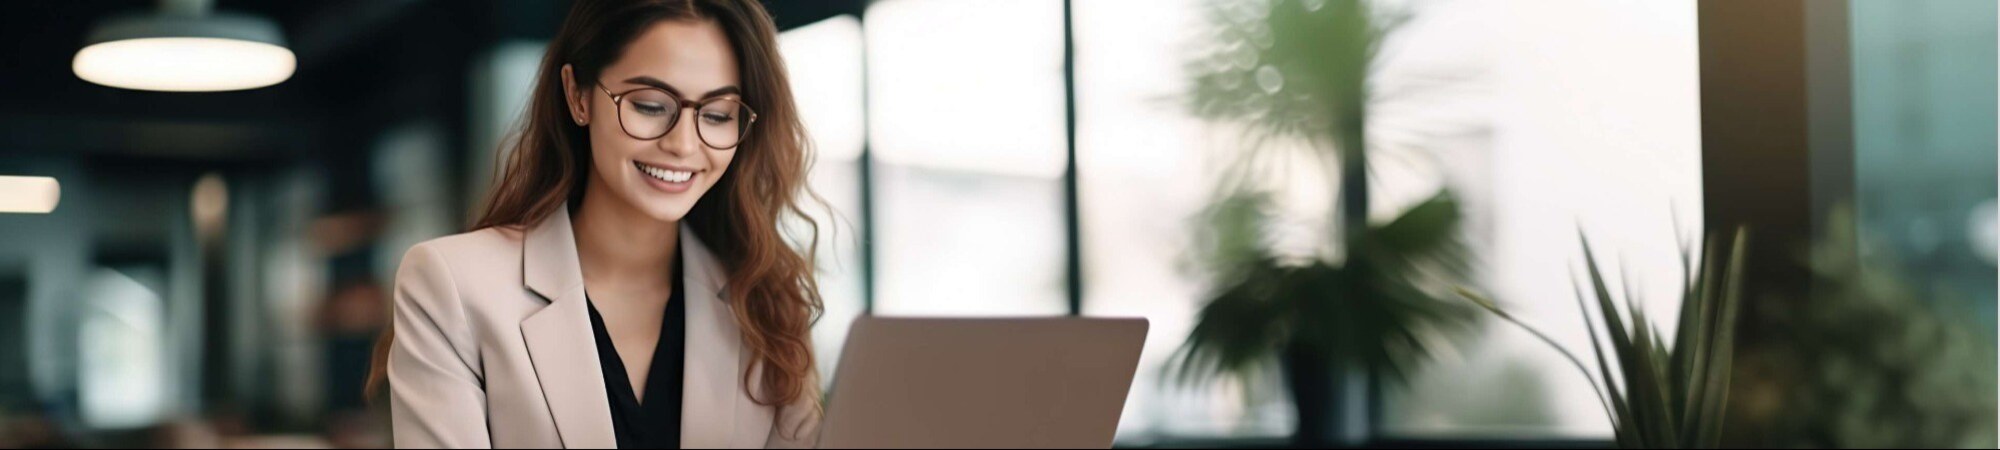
{"points": [[633, 241]]}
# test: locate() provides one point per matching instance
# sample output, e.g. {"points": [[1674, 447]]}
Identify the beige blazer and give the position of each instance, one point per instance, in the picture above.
{"points": [[494, 348]]}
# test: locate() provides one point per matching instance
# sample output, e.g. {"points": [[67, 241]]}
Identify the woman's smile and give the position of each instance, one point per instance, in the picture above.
{"points": [[667, 178]]}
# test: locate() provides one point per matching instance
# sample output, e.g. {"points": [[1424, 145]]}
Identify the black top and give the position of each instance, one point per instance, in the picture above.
{"points": [[657, 422]]}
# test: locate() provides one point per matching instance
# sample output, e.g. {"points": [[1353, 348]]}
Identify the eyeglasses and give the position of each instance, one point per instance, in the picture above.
{"points": [[648, 113]]}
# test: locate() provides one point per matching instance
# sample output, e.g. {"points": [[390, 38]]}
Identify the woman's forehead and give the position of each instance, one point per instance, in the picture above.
{"points": [[693, 56]]}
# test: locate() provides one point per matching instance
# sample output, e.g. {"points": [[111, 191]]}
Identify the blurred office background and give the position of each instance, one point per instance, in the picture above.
{"points": [[219, 264]]}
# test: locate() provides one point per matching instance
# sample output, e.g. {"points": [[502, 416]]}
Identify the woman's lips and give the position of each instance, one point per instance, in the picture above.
{"points": [[669, 179]]}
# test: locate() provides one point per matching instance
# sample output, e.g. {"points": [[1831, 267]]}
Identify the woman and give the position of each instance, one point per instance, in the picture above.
{"points": [[627, 284]]}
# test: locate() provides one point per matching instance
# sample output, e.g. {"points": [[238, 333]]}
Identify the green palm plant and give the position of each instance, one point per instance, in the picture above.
{"points": [[1372, 314], [1658, 396], [1299, 70]]}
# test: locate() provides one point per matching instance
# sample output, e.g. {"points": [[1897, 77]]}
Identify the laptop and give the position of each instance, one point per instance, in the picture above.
{"points": [[982, 383]]}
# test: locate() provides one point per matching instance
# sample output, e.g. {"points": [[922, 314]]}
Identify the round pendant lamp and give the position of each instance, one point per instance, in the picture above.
{"points": [[185, 47]]}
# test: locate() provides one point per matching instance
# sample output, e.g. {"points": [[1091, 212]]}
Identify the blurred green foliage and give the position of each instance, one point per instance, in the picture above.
{"points": [[1377, 310], [1865, 362], [1298, 70]]}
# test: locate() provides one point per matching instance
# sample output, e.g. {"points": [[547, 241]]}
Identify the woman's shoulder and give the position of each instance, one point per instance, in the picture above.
{"points": [[460, 284], [486, 253], [481, 242]]}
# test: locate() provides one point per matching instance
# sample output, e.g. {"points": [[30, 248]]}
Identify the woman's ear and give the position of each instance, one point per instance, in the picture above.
{"points": [[579, 105]]}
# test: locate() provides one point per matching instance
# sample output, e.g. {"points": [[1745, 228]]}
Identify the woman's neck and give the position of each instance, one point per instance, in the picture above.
{"points": [[616, 242]]}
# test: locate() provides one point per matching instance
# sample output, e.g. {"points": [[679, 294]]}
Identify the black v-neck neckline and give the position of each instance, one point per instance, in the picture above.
{"points": [[655, 422]]}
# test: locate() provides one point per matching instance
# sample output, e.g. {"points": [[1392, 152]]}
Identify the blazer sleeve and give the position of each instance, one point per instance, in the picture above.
{"points": [[797, 426], [437, 397]]}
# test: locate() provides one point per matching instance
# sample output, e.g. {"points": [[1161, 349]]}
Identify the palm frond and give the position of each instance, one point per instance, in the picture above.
{"points": [[1374, 310]]}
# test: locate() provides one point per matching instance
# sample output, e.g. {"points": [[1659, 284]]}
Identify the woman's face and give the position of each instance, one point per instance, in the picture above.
{"points": [[660, 177]]}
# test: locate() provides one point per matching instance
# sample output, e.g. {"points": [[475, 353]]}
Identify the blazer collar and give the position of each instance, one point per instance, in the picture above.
{"points": [[559, 340], [550, 267], [548, 257]]}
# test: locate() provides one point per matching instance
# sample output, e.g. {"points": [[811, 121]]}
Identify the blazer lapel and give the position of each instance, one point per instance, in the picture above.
{"points": [[560, 342], [711, 385]]}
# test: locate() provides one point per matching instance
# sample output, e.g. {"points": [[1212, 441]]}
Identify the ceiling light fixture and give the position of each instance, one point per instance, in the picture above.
{"points": [[29, 195], [185, 47]]}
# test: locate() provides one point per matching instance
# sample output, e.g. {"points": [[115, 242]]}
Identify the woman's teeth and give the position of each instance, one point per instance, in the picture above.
{"points": [[670, 176]]}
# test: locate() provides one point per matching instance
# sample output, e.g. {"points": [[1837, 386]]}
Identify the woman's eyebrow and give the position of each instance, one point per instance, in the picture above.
{"points": [[655, 82]]}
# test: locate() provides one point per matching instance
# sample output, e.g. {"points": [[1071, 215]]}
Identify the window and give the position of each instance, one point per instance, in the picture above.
{"points": [[1143, 174], [1593, 112], [1924, 140], [825, 62], [966, 124], [965, 156], [123, 368]]}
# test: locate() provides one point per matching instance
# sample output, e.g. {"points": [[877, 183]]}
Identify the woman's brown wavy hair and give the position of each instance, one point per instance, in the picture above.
{"points": [[772, 289]]}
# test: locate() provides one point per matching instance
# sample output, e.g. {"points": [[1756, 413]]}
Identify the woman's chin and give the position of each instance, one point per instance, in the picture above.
{"points": [[665, 211], [659, 206]]}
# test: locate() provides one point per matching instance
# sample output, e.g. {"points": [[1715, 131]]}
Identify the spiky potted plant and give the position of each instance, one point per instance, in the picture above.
{"points": [[1655, 395]]}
